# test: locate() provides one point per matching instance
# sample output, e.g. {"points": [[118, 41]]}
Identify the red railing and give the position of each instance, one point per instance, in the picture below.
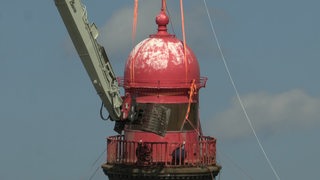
{"points": [[121, 151], [201, 83]]}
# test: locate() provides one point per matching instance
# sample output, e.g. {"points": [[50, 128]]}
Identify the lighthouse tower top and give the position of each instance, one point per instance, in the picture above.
{"points": [[161, 60]]}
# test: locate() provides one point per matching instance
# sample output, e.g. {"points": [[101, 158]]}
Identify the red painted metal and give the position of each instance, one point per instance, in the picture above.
{"points": [[156, 74], [124, 152], [158, 61]]}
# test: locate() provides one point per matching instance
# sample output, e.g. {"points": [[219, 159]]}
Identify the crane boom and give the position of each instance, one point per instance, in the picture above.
{"points": [[92, 54]]}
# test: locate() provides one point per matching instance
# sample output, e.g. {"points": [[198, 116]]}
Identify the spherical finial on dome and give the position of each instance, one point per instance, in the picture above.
{"points": [[162, 20]]}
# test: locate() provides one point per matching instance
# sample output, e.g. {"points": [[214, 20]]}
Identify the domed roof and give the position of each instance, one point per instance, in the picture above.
{"points": [[159, 61]]}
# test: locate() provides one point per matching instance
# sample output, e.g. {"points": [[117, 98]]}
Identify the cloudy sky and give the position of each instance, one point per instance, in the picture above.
{"points": [[49, 122]]}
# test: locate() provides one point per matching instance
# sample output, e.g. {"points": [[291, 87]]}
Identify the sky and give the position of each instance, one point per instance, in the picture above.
{"points": [[49, 111]]}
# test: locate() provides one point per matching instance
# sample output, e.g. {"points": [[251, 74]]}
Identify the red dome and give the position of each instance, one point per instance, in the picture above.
{"points": [[159, 61]]}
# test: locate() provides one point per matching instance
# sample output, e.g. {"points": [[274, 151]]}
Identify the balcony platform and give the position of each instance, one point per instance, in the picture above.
{"points": [[130, 172]]}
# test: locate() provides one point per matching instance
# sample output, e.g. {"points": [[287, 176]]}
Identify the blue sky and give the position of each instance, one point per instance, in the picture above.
{"points": [[49, 123]]}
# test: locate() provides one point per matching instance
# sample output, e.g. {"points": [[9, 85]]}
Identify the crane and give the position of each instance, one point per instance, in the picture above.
{"points": [[92, 54]]}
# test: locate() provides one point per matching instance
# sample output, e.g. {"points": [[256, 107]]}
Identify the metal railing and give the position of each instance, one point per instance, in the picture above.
{"points": [[201, 82], [121, 151]]}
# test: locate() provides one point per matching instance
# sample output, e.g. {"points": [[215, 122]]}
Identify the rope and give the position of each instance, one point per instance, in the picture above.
{"points": [[193, 89], [93, 174], [212, 177], [171, 21], [134, 32], [184, 38], [237, 94], [164, 5], [135, 20], [99, 157], [236, 165]]}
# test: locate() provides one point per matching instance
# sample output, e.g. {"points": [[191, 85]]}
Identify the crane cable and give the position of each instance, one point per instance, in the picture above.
{"points": [[171, 23], [164, 5], [235, 165], [134, 32], [101, 114], [237, 93], [184, 39], [95, 162], [135, 20], [193, 86]]}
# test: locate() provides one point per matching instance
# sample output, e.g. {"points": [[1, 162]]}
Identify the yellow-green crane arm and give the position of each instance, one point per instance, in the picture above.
{"points": [[92, 55]]}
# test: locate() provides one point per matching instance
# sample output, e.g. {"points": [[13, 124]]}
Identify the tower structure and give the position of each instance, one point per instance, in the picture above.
{"points": [[157, 119], [164, 140]]}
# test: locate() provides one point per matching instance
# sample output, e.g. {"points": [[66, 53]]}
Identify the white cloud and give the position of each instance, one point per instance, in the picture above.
{"points": [[289, 111], [116, 35]]}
